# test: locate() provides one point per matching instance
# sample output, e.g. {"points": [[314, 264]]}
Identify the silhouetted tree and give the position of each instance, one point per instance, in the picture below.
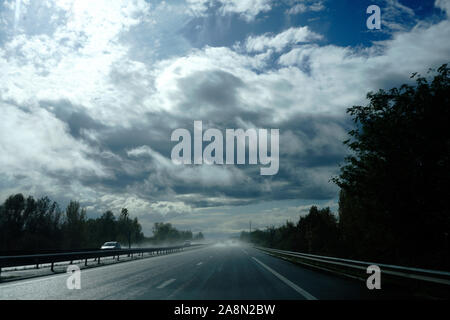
{"points": [[395, 185], [38, 225], [165, 232], [74, 227], [199, 236], [317, 232], [11, 221]]}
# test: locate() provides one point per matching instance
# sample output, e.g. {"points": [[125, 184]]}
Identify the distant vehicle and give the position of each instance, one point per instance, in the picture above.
{"points": [[111, 245], [187, 243]]}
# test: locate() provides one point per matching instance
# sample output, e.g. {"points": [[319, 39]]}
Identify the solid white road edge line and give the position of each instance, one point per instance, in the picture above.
{"points": [[165, 284], [304, 293]]}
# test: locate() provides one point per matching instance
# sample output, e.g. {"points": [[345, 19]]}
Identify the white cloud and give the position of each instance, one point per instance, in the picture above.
{"points": [[396, 16], [444, 5], [278, 42], [75, 62], [36, 140], [141, 207], [39, 156], [204, 175], [248, 9], [199, 7], [305, 6], [310, 78]]}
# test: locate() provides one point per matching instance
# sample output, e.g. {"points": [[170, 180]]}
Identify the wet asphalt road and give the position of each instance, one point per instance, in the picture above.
{"points": [[231, 272]]}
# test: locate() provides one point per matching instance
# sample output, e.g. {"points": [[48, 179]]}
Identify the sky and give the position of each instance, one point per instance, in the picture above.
{"points": [[90, 92]]}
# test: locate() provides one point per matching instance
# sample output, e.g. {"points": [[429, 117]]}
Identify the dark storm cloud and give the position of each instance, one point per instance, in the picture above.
{"points": [[214, 92], [310, 148], [74, 116], [295, 179]]}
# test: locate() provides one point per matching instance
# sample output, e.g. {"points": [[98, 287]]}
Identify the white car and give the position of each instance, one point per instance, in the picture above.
{"points": [[111, 245]]}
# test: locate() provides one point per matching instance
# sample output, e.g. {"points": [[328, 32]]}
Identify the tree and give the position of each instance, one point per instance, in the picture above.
{"points": [[394, 185], [319, 231], [41, 224], [199, 236], [165, 232], [107, 230], [136, 231], [75, 226], [11, 222]]}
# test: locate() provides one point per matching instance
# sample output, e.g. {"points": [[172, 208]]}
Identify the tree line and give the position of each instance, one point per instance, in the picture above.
{"points": [[166, 233], [317, 232], [394, 185], [35, 225]]}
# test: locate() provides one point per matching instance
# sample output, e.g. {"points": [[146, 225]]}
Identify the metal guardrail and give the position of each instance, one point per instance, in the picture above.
{"points": [[52, 258], [434, 276]]}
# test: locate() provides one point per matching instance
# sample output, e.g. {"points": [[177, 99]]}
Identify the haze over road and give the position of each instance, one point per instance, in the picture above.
{"points": [[212, 272]]}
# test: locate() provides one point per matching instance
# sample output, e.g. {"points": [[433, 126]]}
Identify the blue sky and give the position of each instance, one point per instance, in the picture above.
{"points": [[341, 22], [90, 92]]}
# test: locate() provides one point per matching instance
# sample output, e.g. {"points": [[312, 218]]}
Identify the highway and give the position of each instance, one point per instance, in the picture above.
{"points": [[231, 272]]}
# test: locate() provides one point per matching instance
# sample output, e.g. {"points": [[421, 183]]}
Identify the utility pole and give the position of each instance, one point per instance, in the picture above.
{"points": [[125, 213]]}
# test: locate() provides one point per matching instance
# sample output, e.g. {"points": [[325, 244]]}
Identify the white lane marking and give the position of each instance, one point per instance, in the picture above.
{"points": [[304, 293], [165, 284], [200, 263], [245, 251]]}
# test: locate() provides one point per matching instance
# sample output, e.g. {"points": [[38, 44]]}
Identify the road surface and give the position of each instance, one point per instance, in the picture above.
{"points": [[232, 272]]}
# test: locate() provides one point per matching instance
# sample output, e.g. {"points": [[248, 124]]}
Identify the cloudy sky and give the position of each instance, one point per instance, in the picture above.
{"points": [[91, 90]]}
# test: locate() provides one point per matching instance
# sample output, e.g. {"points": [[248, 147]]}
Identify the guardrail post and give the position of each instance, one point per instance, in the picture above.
{"points": [[85, 262], [98, 260], [37, 266], [51, 268]]}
